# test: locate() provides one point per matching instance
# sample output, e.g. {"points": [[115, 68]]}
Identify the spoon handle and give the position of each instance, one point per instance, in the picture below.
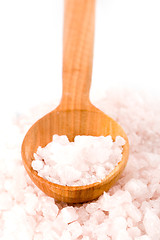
{"points": [[78, 41]]}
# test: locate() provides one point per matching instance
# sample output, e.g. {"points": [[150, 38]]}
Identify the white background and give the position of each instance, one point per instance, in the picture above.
{"points": [[127, 49]]}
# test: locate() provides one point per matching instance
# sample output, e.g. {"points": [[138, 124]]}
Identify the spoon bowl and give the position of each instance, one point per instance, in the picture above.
{"points": [[75, 115], [79, 122]]}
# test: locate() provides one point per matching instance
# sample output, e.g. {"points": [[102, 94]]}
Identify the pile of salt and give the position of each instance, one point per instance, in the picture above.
{"points": [[129, 211], [86, 160]]}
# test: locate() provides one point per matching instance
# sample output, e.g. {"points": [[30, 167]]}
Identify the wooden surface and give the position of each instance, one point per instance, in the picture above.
{"points": [[78, 40], [75, 115]]}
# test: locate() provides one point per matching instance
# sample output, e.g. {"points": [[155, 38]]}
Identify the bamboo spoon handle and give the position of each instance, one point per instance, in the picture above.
{"points": [[78, 41]]}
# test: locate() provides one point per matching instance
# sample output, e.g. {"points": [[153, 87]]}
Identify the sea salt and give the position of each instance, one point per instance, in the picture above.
{"points": [[75, 230], [87, 160], [129, 210], [144, 237], [5, 201], [137, 189], [152, 224], [69, 214]]}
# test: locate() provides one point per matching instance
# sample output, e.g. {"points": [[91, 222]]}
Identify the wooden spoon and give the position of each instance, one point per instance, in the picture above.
{"points": [[75, 115]]}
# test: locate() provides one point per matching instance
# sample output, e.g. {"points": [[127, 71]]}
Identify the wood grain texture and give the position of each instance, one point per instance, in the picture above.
{"points": [[78, 41], [75, 115]]}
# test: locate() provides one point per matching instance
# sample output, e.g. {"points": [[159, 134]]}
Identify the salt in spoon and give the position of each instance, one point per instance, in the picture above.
{"points": [[75, 115]]}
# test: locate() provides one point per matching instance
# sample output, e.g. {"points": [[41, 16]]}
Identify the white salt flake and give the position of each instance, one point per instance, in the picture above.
{"points": [[69, 214], [92, 207], [152, 224], [122, 197], [130, 209], [48, 208], [59, 225], [75, 229], [5, 201], [37, 164], [66, 235], [143, 237], [60, 139], [31, 202], [118, 227], [99, 216], [133, 212], [100, 172], [120, 141], [38, 236], [50, 211], [122, 235], [68, 174], [83, 215], [85, 238], [105, 202], [134, 232], [137, 189], [86, 160]]}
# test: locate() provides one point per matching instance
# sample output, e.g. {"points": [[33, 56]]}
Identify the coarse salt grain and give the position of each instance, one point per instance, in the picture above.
{"points": [[86, 160], [75, 229], [133, 203], [5, 201], [134, 232], [152, 224], [38, 164], [92, 207], [69, 214], [66, 235], [137, 189]]}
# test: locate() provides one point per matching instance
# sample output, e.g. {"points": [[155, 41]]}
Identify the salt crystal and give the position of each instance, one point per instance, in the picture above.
{"points": [[31, 202], [17, 224], [100, 172], [101, 231], [137, 189], [75, 229], [105, 202], [51, 234], [103, 237], [152, 159], [118, 225], [134, 232], [69, 214], [66, 235], [117, 211], [155, 203], [92, 207], [97, 217], [83, 215], [37, 164], [143, 237], [38, 236], [49, 230], [59, 225], [122, 197], [152, 224], [5, 201], [130, 209], [120, 141], [85, 238], [133, 212], [60, 139], [68, 174], [129, 222], [47, 207], [50, 211], [86, 160], [122, 235]]}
